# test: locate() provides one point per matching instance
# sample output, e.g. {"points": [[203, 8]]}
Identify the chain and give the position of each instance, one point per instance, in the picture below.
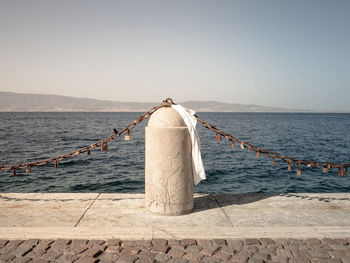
{"points": [[343, 168], [100, 143]]}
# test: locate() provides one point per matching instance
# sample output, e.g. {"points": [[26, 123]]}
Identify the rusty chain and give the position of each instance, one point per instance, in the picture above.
{"points": [[100, 143], [343, 168]]}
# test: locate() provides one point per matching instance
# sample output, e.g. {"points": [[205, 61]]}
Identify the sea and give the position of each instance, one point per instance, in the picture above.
{"points": [[31, 136]]}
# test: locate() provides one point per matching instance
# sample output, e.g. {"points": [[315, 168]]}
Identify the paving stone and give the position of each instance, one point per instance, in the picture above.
{"points": [[94, 251], [223, 255], [137, 243], [157, 242], [342, 241], [39, 260], [262, 256], [193, 249], [10, 246], [6, 257], [96, 242], [329, 241], [3, 242], [175, 252], [84, 259], [188, 242], [209, 251], [66, 258], [193, 257], [299, 260], [172, 242], [345, 260], [147, 253], [219, 242], [318, 254], [51, 255], [43, 244], [113, 249], [313, 241], [130, 251], [160, 248], [333, 260], [266, 241], [127, 259], [114, 242], [177, 260], [336, 254], [279, 258], [75, 249], [236, 244], [162, 257], [108, 258], [78, 242], [21, 260], [252, 241], [144, 259], [204, 242], [241, 256], [210, 260], [255, 260]]}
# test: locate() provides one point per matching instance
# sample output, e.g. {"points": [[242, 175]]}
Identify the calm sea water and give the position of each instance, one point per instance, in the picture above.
{"points": [[34, 136]]}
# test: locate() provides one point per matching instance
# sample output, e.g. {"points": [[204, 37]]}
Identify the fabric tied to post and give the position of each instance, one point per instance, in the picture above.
{"points": [[191, 121]]}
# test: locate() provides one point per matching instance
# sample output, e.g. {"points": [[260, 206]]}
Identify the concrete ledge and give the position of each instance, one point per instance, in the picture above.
{"points": [[149, 233], [123, 216]]}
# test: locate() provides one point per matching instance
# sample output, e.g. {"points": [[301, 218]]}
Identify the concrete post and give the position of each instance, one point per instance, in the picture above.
{"points": [[168, 164]]}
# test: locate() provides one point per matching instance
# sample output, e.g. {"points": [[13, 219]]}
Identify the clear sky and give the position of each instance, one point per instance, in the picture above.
{"points": [[293, 54]]}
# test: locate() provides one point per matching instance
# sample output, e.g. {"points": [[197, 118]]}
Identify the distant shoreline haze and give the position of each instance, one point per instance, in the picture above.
{"points": [[20, 102]]}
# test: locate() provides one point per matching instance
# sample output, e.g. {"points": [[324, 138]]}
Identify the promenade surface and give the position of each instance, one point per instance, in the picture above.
{"points": [[97, 227]]}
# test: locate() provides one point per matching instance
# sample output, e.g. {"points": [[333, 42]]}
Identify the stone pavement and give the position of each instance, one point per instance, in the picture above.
{"points": [[93, 227], [186, 250]]}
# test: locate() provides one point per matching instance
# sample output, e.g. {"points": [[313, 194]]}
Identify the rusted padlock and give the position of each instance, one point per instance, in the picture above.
{"points": [[127, 135], [341, 171], [28, 170], [289, 165], [104, 146]]}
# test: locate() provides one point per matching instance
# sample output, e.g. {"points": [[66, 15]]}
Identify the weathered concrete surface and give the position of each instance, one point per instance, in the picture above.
{"points": [[168, 164], [104, 216]]}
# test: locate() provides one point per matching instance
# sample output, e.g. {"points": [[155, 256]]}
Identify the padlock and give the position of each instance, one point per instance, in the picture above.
{"points": [[28, 170], [217, 137], [127, 136], [341, 171], [273, 162], [325, 169], [242, 145], [346, 171], [257, 153], [289, 166], [248, 149], [88, 151], [233, 145], [13, 171], [299, 171], [56, 163], [104, 146]]}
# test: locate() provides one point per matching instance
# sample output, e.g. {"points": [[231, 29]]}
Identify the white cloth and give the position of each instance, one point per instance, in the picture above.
{"points": [[191, 121]]}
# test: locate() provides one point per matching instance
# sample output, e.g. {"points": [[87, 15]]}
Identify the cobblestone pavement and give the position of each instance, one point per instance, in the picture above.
{"points": [[188, 250]]}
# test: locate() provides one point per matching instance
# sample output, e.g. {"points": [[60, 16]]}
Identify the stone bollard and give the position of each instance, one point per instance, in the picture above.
{"points": [[168, 164]]}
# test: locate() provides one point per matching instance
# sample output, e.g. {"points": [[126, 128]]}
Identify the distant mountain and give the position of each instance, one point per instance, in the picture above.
{"points": [[10, 101]]}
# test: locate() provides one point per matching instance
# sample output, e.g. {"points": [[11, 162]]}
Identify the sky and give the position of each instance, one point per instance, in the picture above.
{"points": [[292, 54]]}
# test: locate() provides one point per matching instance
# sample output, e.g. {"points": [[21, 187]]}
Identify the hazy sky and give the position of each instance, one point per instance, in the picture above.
{"points": [[293, 54]]}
